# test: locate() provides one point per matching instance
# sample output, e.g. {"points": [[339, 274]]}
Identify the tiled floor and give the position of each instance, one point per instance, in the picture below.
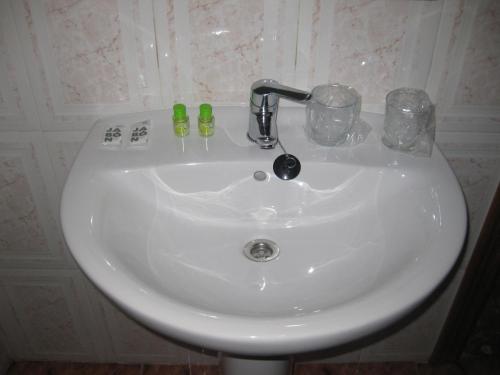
{"points": [[470, 367], [55, 368], [397, 368], [388, 368]]}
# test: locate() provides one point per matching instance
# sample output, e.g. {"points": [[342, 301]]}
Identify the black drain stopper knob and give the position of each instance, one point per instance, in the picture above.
{"points": [[286, 167]]}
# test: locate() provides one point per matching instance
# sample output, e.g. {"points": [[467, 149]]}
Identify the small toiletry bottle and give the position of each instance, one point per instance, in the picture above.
{"points": [[206, 120], [180, 120]]}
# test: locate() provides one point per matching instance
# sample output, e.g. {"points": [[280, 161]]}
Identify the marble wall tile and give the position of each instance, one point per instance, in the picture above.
{"points": [[131, 342], [88, 50], [31, 46], [480, 79], [444, 67], [366, 44], [44, 311], [20, 228], [144, 51], [284, 34], [213, 50], [63, 148], [91, 58], [29, 233], [463, 79], [7, 75], [45, 315], [121, 339], [226, 48], [17, 105], [169, 64], [374, 46], [315, 30]]}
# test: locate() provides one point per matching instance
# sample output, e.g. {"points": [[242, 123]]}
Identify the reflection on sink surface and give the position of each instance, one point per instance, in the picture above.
{"points": [[365, 234], [294, 214]]}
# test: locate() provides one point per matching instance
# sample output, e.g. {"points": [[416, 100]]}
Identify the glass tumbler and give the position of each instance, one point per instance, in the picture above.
{"points": [[408, 113], [331, 113]]}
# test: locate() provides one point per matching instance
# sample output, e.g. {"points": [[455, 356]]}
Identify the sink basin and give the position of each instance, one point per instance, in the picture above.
{"points": [[364, 233]]}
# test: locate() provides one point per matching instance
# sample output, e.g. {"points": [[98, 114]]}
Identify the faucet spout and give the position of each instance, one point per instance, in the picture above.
{"points": [[264, 100]]}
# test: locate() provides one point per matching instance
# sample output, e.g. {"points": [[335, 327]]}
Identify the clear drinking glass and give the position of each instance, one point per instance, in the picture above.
{"points": [[408, 113], [331, 113]]}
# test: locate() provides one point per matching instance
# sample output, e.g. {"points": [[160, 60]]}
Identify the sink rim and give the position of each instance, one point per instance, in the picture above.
{"points": [[260, 336]]}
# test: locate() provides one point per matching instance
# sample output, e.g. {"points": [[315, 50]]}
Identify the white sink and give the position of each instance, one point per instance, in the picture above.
{"points": [[365, 233]]}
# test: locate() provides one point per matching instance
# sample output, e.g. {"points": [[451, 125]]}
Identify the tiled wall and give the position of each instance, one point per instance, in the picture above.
{"points": [[65, 63]]}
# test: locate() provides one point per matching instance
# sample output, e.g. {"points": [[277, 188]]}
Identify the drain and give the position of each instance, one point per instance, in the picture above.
{"points": [[261, 250]]}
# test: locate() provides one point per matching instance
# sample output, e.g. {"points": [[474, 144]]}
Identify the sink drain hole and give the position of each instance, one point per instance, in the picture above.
{"points": [[261, 250]]}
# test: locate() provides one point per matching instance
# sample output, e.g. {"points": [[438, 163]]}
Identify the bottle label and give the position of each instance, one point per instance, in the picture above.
{"points": [[113, 136]]}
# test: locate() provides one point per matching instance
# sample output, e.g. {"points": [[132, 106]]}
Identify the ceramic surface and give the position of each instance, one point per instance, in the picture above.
{"points": [[365, 233]]}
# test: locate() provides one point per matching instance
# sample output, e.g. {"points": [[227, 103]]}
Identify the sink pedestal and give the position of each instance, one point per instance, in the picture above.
{"points": [[244, 366]]}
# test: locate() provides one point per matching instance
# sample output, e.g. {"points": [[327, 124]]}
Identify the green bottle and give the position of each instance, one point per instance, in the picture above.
{"points": [[206, 120], [180, 120]]}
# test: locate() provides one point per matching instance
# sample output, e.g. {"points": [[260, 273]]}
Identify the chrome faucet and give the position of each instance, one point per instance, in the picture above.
{"points": [[264, 100]]}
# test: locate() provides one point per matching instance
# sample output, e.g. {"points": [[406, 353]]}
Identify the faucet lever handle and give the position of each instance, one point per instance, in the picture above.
{"points": [[264, 97], [272, 90]]}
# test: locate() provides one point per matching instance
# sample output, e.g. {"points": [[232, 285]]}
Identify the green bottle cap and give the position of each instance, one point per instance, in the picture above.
{"points": [[205, 112], [180, 112]]}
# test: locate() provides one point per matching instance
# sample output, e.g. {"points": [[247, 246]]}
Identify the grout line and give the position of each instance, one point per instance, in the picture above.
{"points": [[269, 35], [322, 59], [458, 53], [156, 30], [290, 42], [164, 52], [183, 50], [408, 52], [303, 47]]}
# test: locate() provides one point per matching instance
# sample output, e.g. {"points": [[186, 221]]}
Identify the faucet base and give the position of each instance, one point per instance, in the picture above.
{"points": [[264, 143]]}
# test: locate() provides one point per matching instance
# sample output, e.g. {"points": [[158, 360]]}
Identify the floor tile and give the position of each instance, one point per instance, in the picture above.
{"points": [[205, 370], [325, 369], [387, 368], [99, 369], [394, 368], [180, 370], [165, 370], [59, 368], [481, 366], [444, 369], [25, 368]]}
